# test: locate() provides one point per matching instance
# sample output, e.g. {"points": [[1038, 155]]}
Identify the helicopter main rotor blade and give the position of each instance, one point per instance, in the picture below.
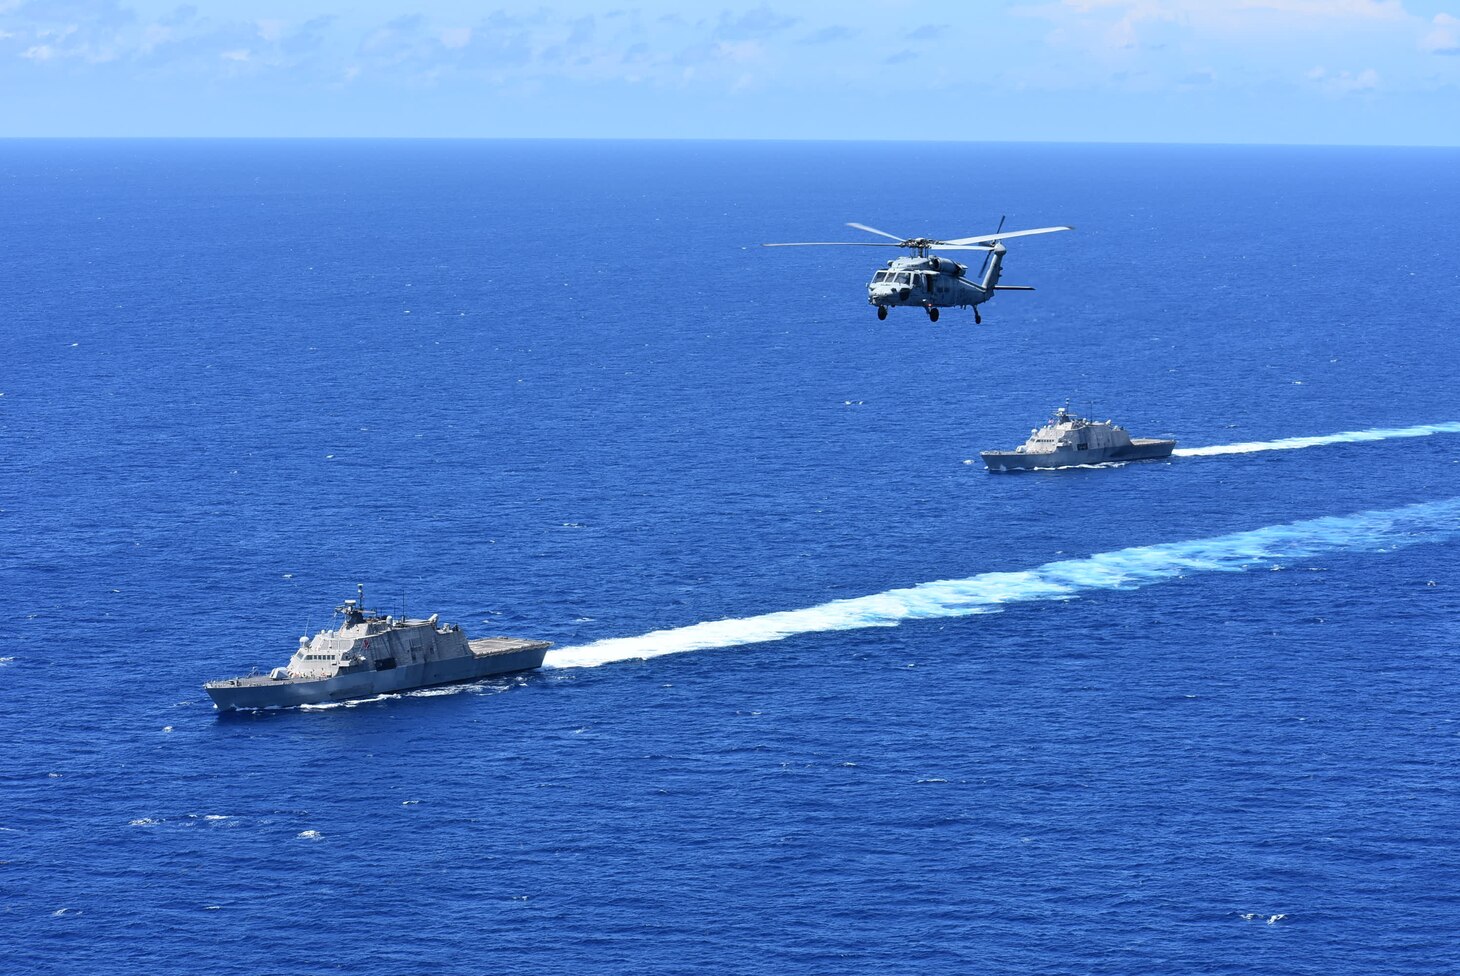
{"points": [[1006, 235], [833, 244], [934, 245], [880, 233]]}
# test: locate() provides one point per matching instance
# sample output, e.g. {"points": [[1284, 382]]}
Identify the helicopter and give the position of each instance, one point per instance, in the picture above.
{"points": [[930, 281]]}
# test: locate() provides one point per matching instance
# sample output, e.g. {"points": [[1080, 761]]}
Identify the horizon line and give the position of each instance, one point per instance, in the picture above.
{"points": [[721, 139]]}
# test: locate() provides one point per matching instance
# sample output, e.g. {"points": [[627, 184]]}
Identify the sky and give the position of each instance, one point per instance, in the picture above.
{"points": [[1364, 72]]}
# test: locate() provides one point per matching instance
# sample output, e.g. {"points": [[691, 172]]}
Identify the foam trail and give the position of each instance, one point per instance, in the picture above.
{"points": [[987, 592], [1347, 437]]}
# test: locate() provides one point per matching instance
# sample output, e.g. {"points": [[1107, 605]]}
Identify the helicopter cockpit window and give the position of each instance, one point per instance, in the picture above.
{"points": [[880, 276], [903, 278]]}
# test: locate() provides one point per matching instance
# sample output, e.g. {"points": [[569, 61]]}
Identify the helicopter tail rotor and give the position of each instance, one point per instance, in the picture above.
{"points": [[985, 265]]}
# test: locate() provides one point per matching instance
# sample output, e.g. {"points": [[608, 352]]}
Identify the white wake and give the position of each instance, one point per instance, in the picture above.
{"points": [[987, 592], [1347, 437]]}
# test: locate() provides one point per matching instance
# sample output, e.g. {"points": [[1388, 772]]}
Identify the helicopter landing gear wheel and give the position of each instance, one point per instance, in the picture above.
{"points": [[881, 313], [977, 319], [932, 315]]}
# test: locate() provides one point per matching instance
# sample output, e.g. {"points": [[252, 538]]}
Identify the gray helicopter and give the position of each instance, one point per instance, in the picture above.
{"points": [[932, 282]]}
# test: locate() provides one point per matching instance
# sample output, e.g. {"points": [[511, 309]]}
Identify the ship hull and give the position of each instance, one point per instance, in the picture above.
{"points": [[266, 692], [1140, 449]]}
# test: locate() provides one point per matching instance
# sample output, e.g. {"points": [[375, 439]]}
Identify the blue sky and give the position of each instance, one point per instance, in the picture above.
{"points": [[1266, 71]]}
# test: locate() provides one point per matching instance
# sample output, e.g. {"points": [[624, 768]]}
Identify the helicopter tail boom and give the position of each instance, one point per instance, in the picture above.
{"points": [[993, 270]]}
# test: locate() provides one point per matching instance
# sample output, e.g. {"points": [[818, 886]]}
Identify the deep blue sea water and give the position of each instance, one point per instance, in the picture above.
{"points": [[556, 390]]}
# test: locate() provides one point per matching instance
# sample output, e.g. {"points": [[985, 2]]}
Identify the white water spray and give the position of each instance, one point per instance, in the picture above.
{"points": [[1063, 580], [1347, 437]]}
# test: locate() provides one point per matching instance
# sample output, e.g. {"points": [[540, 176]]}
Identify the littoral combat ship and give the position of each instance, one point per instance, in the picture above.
{"points": [[1068, 440], [368, 654]]}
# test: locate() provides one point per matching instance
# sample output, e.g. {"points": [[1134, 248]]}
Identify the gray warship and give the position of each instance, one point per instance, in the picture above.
{"points": [[367, 654], [1068, 440]]}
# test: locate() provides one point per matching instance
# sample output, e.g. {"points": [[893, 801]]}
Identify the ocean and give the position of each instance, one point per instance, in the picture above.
{"points": [[826, 696]]}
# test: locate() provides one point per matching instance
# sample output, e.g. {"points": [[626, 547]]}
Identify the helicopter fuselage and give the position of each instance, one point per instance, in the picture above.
{"points": [[933, 282]]}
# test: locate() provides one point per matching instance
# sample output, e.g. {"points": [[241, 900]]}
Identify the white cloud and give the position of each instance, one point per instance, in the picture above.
{"points": [[1152, 45], [1444, 35], [1344, 82], [740, 50], [1330, 9], [154, 37], [455, 37], [241, 54], [39, 52], [1121, 23], [1210, 10]]}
